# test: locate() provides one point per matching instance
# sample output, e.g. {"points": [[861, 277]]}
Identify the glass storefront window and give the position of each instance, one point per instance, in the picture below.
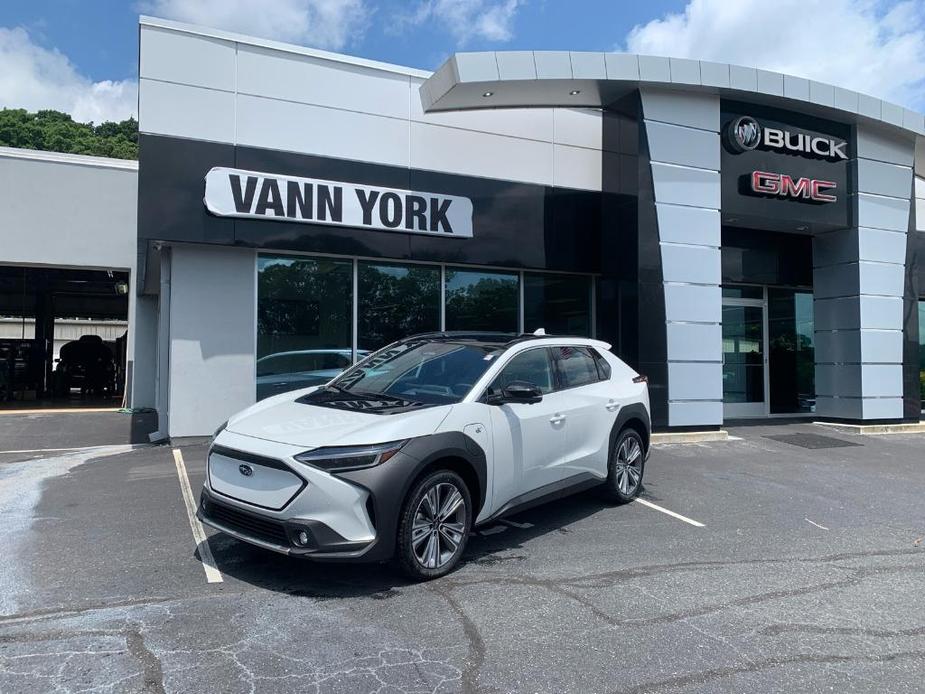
{"points": [[482, 300], [792, 354], [395, 301], [304, 321], [561, 304], [743, 292]]}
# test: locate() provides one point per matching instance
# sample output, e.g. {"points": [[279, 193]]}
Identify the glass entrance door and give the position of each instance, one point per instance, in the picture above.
{"points": [[745, 362]]}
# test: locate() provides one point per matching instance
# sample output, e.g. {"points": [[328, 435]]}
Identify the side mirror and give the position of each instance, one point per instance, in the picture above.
{"points": [[521, 392]]}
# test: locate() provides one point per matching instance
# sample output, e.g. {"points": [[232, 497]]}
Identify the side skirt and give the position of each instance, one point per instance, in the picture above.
{"points": [[550, 492]]}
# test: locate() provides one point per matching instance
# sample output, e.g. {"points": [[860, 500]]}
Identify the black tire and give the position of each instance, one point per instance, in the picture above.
{"points": [[625, 466], [418, 556]]}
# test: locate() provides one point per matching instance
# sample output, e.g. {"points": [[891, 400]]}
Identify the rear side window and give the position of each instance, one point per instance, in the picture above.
{"points": [[575, 366], [603, 366], [531, 366]]}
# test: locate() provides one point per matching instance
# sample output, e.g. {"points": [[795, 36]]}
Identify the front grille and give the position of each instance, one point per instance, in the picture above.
{"points": [[245, 523]]}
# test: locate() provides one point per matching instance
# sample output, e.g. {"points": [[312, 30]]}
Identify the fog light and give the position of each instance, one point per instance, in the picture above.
{"points": [[302, 538]]}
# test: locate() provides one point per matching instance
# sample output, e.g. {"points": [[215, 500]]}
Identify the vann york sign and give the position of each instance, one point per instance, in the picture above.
{"points": [[256, 195]]}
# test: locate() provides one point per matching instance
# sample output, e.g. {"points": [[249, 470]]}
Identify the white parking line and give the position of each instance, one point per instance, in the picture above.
{"points": [[213, 575], [816, 524], [696, 524]]}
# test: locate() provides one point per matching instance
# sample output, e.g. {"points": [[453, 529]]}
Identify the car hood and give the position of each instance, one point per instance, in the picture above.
{"points": [[284, 420]]}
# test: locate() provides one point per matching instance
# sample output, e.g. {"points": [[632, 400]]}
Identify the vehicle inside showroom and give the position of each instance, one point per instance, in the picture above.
{"points": [[750, 241]]}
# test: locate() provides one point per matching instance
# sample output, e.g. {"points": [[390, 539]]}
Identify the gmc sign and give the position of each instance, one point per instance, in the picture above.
{"points": [[784, 186]]}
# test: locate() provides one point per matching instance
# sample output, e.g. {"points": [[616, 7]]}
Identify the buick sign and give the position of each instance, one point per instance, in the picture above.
{"points": [[745, 133], [257, 195]]}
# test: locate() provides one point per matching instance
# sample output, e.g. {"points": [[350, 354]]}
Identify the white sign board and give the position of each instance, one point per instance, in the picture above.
{"points": [[256, 195]]}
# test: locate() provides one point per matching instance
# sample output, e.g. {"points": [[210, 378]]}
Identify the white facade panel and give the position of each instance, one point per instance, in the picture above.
{"points": [[199, 61], [308, 80], [182, 111], [695, 381], [690, 225], [674, 144], [681, 185], [577, 127], [293, 127], [480, 154], [576, 167], [92, 224], [212, 326]]}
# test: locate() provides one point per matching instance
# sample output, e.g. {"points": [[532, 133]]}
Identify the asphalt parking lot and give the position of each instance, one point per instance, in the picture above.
{"points": [[806, 573]]}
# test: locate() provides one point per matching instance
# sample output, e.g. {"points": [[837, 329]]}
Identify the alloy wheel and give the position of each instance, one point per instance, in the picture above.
{"points": [[628, 465], [439, 525]]}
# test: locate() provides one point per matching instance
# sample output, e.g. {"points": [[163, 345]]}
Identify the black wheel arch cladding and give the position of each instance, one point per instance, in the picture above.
{"points": [[626, 417], [389, 483]]}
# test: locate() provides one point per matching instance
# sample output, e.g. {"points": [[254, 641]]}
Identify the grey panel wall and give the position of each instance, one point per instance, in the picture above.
{"points": [[212, 337], [682, 131], [859, 279]]}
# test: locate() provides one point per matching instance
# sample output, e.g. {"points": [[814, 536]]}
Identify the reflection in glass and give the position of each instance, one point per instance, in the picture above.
{"points": [[561, 304], [792, 354], [304, 319], [396, 301], [743, 354], [480, 300], [743, 292]]}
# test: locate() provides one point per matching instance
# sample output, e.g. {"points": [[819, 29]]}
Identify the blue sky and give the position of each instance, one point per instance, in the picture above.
{"points": [[80, 56], [101, 37]]}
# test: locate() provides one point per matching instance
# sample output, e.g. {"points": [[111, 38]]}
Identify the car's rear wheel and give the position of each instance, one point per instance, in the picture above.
{"points": [[434, 526], [625, 466]]}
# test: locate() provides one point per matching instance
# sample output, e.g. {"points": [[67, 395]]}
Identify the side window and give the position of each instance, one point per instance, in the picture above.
{"points": [[603, 366], [532, 366], [576, 366]]}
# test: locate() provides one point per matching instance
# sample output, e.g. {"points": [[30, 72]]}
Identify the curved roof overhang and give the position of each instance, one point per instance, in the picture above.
{"points": [[538, 79]]}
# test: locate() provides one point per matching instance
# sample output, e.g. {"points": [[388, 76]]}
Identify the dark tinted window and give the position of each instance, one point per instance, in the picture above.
{"points": [[576, 366], [396, 301], [304, 321], [603, 366], [532, 366], [481, 300]]}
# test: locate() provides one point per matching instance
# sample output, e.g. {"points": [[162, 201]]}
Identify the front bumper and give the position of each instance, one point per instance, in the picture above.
{"points": [[335, 514], [284, 537]]}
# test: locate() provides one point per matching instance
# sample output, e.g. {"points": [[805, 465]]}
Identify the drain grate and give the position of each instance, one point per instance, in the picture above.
{"points": [[813, 441]]}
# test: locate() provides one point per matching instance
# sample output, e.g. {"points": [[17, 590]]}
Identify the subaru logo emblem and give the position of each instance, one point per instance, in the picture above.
{"points": [[743, 134], [245, 470]]}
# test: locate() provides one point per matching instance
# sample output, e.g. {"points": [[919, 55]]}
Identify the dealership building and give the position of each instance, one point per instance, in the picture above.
{"points": [[753, 242]]}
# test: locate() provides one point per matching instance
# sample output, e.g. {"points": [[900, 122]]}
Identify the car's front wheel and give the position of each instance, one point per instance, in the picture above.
{"points": [[434, 526], [625, 466]]}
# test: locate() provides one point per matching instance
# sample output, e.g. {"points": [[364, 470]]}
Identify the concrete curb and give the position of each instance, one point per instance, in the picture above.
{"points": [[690, 437], [875, 429]]}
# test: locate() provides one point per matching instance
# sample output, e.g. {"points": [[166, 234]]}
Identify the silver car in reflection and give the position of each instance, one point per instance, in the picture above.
{"points": [[284, 371]]}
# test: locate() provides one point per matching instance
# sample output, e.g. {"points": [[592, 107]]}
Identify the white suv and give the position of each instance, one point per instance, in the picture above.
{"points": [[407, 451]]}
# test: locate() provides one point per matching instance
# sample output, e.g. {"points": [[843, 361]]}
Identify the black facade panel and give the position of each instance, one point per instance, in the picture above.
{"points": [[753, 256], [741, 204], [515, 224], [171, 182], [912, 294]]}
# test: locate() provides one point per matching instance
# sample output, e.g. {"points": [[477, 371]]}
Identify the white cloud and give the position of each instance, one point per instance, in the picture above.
{"points": [[468, 19], [331, 24], [875, 47], [35, 78]]}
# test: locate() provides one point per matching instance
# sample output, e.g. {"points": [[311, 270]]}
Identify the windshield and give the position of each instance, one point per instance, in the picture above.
{"points": [[412, 374]]}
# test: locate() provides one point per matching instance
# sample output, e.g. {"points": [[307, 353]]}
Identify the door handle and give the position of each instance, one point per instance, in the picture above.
{"points": [[612, 406], [557, 418]]}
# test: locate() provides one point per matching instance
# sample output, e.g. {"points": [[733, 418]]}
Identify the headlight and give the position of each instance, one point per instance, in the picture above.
{"points": [[346, 458], [220, 429]]}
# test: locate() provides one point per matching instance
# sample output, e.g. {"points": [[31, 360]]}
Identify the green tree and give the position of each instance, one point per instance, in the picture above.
{"points": [[53, 131]]}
